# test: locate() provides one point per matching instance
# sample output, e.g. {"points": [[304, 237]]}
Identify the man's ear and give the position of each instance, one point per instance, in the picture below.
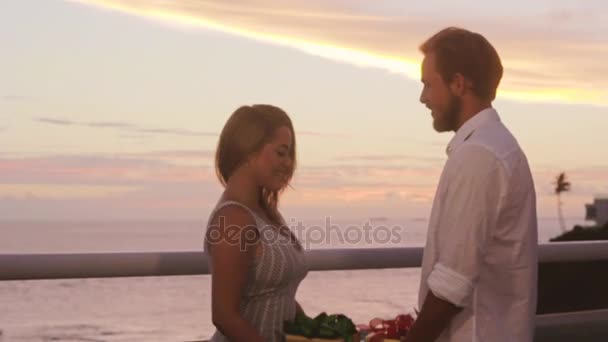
{"points": [[459, 85]]}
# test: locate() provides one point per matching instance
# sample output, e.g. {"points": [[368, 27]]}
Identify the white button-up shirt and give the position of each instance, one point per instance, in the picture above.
{"points": [[481, 249]]}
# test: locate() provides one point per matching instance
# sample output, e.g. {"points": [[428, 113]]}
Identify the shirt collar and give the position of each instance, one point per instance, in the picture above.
{"points": [[466, 130]]}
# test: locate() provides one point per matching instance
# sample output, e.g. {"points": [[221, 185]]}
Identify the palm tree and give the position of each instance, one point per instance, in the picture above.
{"points": [[561, 185]]}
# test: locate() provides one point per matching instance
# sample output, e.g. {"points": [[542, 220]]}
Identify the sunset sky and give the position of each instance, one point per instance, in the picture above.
{"points": [[111, 109]]}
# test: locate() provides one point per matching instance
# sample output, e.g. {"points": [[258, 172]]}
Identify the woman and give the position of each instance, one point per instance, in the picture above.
{"points": [[256, 262]]}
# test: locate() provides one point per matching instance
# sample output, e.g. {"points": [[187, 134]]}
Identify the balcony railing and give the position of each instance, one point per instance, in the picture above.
{"points": [[550, 327]]}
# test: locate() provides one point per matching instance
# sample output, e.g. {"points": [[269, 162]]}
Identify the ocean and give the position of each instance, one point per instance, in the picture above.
{"points": [[177, 308]]}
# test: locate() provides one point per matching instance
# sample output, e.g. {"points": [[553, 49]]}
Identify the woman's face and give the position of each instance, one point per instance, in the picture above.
{"points": [[273, 164]]}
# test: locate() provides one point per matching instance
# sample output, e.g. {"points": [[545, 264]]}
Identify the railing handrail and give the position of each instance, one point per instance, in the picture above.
{"points": [[589, 325], [135, 264]]}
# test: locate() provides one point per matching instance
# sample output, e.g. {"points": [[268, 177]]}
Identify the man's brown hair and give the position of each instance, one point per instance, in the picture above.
{"points": [[461, 51]]}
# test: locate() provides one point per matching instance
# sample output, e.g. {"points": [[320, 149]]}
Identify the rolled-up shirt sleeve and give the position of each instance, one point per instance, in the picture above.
{"points": [[468, 214]]}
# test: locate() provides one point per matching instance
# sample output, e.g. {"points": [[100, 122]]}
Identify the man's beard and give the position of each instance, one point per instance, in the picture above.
{"points": [[449, 120]]}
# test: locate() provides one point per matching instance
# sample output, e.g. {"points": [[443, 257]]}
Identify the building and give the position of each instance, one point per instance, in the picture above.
{"points": [[598, 211]]}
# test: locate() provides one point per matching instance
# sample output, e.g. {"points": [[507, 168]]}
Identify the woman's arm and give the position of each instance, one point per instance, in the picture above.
{"points": [[232, 240]]}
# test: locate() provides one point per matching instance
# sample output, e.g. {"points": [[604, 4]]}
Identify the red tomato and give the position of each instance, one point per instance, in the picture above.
{"points": [[404, 323]]}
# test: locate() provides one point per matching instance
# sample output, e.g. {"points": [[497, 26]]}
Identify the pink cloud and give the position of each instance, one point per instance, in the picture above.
{"points": [[160, 189], [97, 170]]}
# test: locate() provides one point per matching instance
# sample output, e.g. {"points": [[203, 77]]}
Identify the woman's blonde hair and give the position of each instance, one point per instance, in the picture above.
{"points": [[246, 132]]}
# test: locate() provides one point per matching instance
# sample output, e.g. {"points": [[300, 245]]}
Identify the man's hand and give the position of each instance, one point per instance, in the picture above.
{"points": [[432, 320]]}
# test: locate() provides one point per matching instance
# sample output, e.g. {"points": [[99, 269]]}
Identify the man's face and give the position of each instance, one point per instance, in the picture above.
{"points": [[437, 96]]}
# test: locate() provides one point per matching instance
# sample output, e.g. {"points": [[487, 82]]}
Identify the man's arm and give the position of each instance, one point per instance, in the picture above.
{"points": [[466, 221], [432, 320], [299, 308]]}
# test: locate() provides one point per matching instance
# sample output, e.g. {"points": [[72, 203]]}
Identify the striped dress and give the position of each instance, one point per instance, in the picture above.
{"points": [[268, 298]]}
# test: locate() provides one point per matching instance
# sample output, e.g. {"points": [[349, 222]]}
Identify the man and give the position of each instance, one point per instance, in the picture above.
{"points": [[479, 270]]}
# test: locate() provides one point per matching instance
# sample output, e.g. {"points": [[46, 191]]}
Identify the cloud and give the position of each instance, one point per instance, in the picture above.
{"points": [[157, 184], [368, 177], [543, 47], [62, 191], [389, 158], [149, 180], [129, 129], [98, 170], [53, 121], [161, 167], [321, 134], [105, 187], [191, 201], [181, 132], [176, 154], [16, 98], [110, 124]]}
